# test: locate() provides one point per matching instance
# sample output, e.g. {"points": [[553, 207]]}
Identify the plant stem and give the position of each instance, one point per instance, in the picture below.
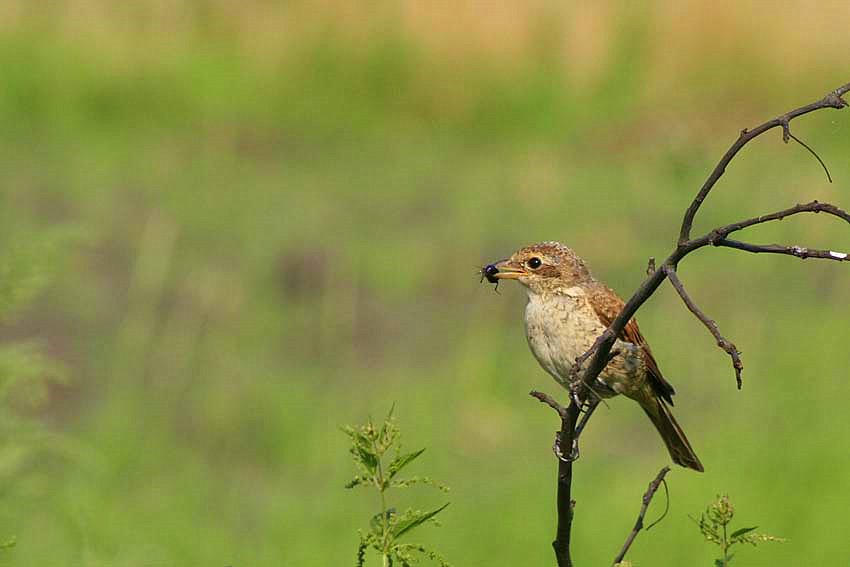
{"points": [[384, 520]]}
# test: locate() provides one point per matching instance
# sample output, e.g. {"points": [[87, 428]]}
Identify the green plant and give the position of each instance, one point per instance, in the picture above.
{"points": [[714, 525], [371, 446]]}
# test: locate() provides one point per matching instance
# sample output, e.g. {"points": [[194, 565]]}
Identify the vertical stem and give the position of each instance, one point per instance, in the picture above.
{"points": [[385, 532]]}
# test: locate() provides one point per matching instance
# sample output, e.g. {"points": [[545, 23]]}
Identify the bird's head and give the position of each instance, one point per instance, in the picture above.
{"points": [[547, 267]]}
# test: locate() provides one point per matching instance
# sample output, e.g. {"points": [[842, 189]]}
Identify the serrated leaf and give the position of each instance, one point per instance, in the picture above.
{"points": [[408, 523], [742, 531], [402, 461]]}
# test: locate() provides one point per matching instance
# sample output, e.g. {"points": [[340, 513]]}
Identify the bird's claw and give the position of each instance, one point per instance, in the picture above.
{"points": [[575, 397], [573, 455], [589, 398]]}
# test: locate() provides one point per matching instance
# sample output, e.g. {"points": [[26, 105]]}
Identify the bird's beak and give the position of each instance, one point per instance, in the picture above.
{"points": [[503, 270]]}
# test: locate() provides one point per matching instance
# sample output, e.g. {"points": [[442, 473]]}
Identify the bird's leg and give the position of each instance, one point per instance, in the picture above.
{"points": [[589, 408]]}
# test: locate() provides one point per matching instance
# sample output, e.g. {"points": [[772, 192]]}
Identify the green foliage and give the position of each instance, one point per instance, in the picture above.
{"points": [[370, 447], [714, 526]]}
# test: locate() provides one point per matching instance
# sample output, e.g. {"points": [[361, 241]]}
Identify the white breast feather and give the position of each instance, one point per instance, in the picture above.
{"points": [[560, 330]]}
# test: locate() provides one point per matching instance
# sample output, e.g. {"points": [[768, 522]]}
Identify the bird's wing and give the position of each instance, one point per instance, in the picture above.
{"points": [[607, 306]]}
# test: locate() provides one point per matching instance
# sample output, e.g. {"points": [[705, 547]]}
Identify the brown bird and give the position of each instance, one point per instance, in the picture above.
{"points": [[567, 309]]}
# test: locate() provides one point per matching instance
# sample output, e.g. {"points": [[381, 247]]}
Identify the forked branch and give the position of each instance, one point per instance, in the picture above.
{"points": [[831, 100]]}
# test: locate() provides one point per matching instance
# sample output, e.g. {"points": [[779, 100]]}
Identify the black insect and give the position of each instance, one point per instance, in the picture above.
{"points": [[489, 272]]}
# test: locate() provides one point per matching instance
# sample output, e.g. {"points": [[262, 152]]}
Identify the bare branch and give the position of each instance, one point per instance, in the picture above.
{"points": [[605, 341], [708, 322], [647, 498], [831, 100], [598, 356], [798, 251]]}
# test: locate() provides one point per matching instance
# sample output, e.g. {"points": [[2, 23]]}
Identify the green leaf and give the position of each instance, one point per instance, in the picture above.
{"points": [[356, 481], [361, 552], [408, 522], [402, 461], [742, 531], [368, 458]]}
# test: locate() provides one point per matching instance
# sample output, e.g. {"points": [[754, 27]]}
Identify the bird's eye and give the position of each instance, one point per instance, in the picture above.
{"points": [[534, 263]]}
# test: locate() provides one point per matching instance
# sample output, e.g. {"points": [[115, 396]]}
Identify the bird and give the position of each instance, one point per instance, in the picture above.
{"points": [[567, 310]]}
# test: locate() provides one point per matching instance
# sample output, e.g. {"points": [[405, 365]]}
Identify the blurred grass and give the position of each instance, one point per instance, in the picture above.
{"points": [[282, 208]]}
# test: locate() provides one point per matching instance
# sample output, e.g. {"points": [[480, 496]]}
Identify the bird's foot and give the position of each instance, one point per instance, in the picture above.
{"points": [[569, 457], [584, 396]]}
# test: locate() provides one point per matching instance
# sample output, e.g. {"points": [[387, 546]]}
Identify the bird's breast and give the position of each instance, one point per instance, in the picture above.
{"points": [[560, 328]]}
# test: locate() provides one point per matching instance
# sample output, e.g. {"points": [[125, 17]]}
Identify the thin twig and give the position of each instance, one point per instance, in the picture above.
{"points": [[709, 323], [666, 506], [549, 401], [798, 251], [647, 498], [810, 207], [811, 151]]}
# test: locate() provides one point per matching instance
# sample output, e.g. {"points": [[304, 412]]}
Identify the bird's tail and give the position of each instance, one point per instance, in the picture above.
{"points": [[678, 445]]}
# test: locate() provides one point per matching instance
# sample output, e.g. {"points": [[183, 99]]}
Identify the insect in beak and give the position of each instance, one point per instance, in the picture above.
{"points": [[489, 272]]}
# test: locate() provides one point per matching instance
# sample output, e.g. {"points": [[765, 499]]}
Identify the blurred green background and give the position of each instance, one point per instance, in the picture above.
{"points": [[260, 221]]}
